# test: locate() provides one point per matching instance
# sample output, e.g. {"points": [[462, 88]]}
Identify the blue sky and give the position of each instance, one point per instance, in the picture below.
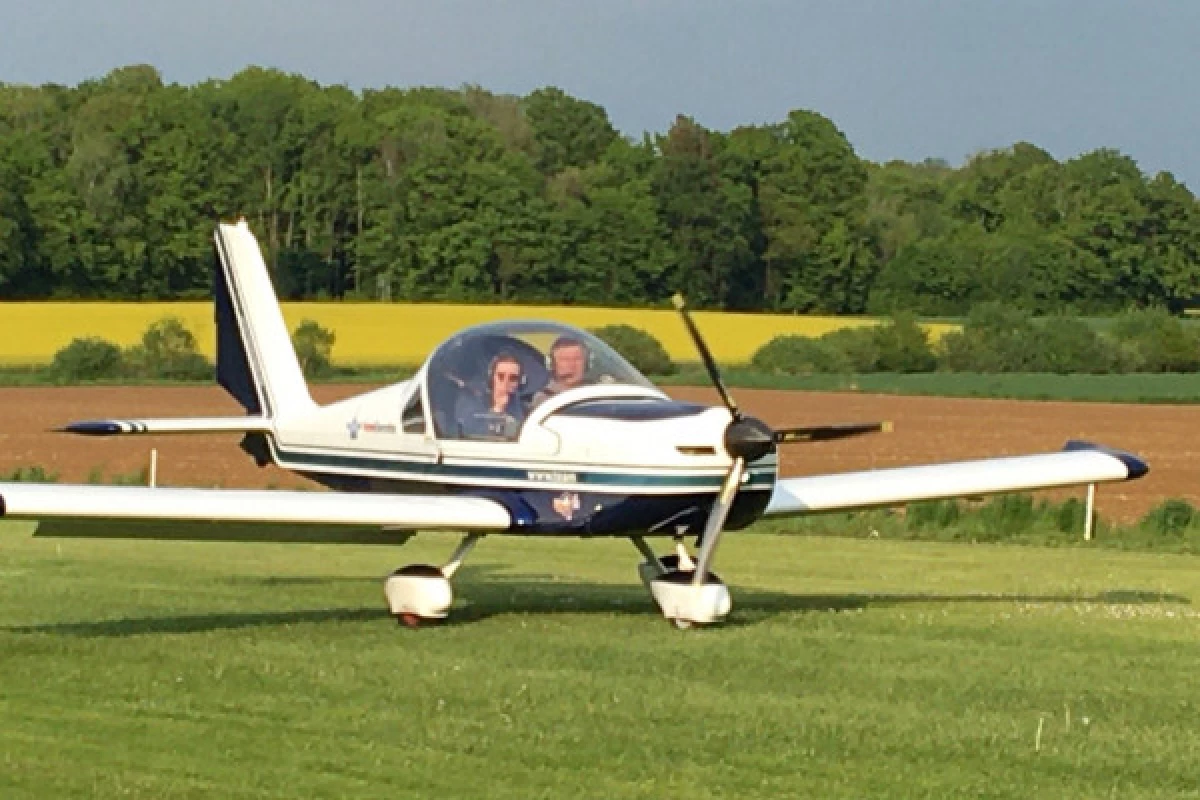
{"points": [[903, 79]]}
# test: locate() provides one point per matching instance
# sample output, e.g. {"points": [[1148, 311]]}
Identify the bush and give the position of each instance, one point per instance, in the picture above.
{"points": [[168, 352], [903, 345], [993, 339], [1156, 341], [897, 345], [1071, 516], [792, 354], [639, 348], [314, 346], [933, 514], [1172, 518], [858, 346], [34, 474], [87, 359], [1068, 345], [1005, 516]]}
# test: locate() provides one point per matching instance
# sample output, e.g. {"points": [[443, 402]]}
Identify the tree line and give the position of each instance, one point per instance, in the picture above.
{"points": [[110, 189]]}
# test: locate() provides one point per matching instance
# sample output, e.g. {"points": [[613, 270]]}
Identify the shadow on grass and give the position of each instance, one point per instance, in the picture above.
{"points": [[484, 595], [201, 623]]}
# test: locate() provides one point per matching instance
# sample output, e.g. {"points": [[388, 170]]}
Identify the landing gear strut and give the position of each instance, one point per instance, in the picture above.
{"points": [[421, 593]]}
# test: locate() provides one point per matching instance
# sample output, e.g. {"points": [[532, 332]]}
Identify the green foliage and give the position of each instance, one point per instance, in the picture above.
{"points": [[638, 347], [168, 352], [1155, 341], [31, 474], [994, 338], [897, 345], [858, 346], [1070, 516], [87, 359], [569, 132], [933, 514], [108, 189], [139, 477], [1067, 345], [314, 348], [799, 355], [903, 345], [1171, 518], [1006, 515]]}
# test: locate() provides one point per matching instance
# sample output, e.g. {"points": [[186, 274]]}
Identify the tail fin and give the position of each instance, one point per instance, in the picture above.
{"points": [[256, 362]]}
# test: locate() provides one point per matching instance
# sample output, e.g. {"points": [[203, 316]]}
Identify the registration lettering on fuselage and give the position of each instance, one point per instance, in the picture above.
{"points": [[552, 477]]}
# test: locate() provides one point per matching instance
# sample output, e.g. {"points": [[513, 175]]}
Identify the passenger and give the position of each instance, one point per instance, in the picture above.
{"points": [[497, 413], [568, 367]]}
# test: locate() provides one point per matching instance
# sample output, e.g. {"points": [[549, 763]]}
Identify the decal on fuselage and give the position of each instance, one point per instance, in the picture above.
{"points": [[566, 504], [353, 427]]}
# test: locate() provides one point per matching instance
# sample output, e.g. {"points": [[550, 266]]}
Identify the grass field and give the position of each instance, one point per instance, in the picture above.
{"points": [[849, 669]]}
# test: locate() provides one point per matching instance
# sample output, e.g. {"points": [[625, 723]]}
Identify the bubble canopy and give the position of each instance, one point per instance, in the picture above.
{"points": [[484, 380]]}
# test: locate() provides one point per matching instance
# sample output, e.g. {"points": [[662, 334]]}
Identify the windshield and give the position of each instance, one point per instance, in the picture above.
{"points": [[484, 381]]}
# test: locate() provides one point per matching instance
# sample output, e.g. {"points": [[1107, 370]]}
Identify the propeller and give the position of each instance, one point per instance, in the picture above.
{"points": [[751, 438], [824, 433], [748, 439]]}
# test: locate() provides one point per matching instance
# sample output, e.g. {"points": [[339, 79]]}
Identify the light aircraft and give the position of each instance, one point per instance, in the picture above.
{"points": [[522, 428]]}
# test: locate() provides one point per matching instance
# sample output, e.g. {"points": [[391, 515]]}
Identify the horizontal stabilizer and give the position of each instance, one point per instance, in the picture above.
{"points": [[120, 512], [115, 427], [1077, 464]]}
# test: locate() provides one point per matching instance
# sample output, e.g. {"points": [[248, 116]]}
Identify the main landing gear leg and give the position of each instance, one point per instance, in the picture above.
{"points": [[421, 592]]}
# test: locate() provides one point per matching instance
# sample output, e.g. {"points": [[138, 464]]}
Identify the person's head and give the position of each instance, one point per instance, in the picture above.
{"points": [[504, 376], [568, 361]]}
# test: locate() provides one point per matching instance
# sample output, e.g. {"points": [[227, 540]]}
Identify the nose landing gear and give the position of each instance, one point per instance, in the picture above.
{"points": [[684, 601]]}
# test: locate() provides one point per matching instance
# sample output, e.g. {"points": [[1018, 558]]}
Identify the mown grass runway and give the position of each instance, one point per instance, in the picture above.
{"points": [[850, 668]]}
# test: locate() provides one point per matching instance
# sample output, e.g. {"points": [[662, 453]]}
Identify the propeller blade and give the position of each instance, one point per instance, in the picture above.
{"points": [[710, 364], [824, 433]]}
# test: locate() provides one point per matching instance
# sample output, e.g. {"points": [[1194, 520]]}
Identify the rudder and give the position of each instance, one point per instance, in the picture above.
{"points": [[256, 362]]}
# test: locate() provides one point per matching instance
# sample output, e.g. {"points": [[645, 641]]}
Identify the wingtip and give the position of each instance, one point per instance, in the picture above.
{"points": [[1134, 465], [101, 427]]}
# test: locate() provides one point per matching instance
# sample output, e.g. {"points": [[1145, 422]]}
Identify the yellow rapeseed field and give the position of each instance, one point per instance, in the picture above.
{"points": [[395, 333]]}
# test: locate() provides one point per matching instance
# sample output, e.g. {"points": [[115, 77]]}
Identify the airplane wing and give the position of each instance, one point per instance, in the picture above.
{"points": [[1078, 463], [120, 512]]}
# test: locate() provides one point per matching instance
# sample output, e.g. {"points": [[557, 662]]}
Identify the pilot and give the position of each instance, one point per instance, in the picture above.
{"points": [[497, 413], [568, 367]]}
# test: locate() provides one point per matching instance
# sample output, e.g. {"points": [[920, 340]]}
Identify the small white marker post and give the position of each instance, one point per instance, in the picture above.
{"points": [[1089, 512], [153, 467]]}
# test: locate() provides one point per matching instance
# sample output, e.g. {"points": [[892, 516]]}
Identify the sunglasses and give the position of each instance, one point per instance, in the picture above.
{"points": [[509, 377]]}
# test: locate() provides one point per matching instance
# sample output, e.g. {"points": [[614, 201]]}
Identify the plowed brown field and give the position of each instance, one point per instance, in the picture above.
{"points": [[926, 429]]}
